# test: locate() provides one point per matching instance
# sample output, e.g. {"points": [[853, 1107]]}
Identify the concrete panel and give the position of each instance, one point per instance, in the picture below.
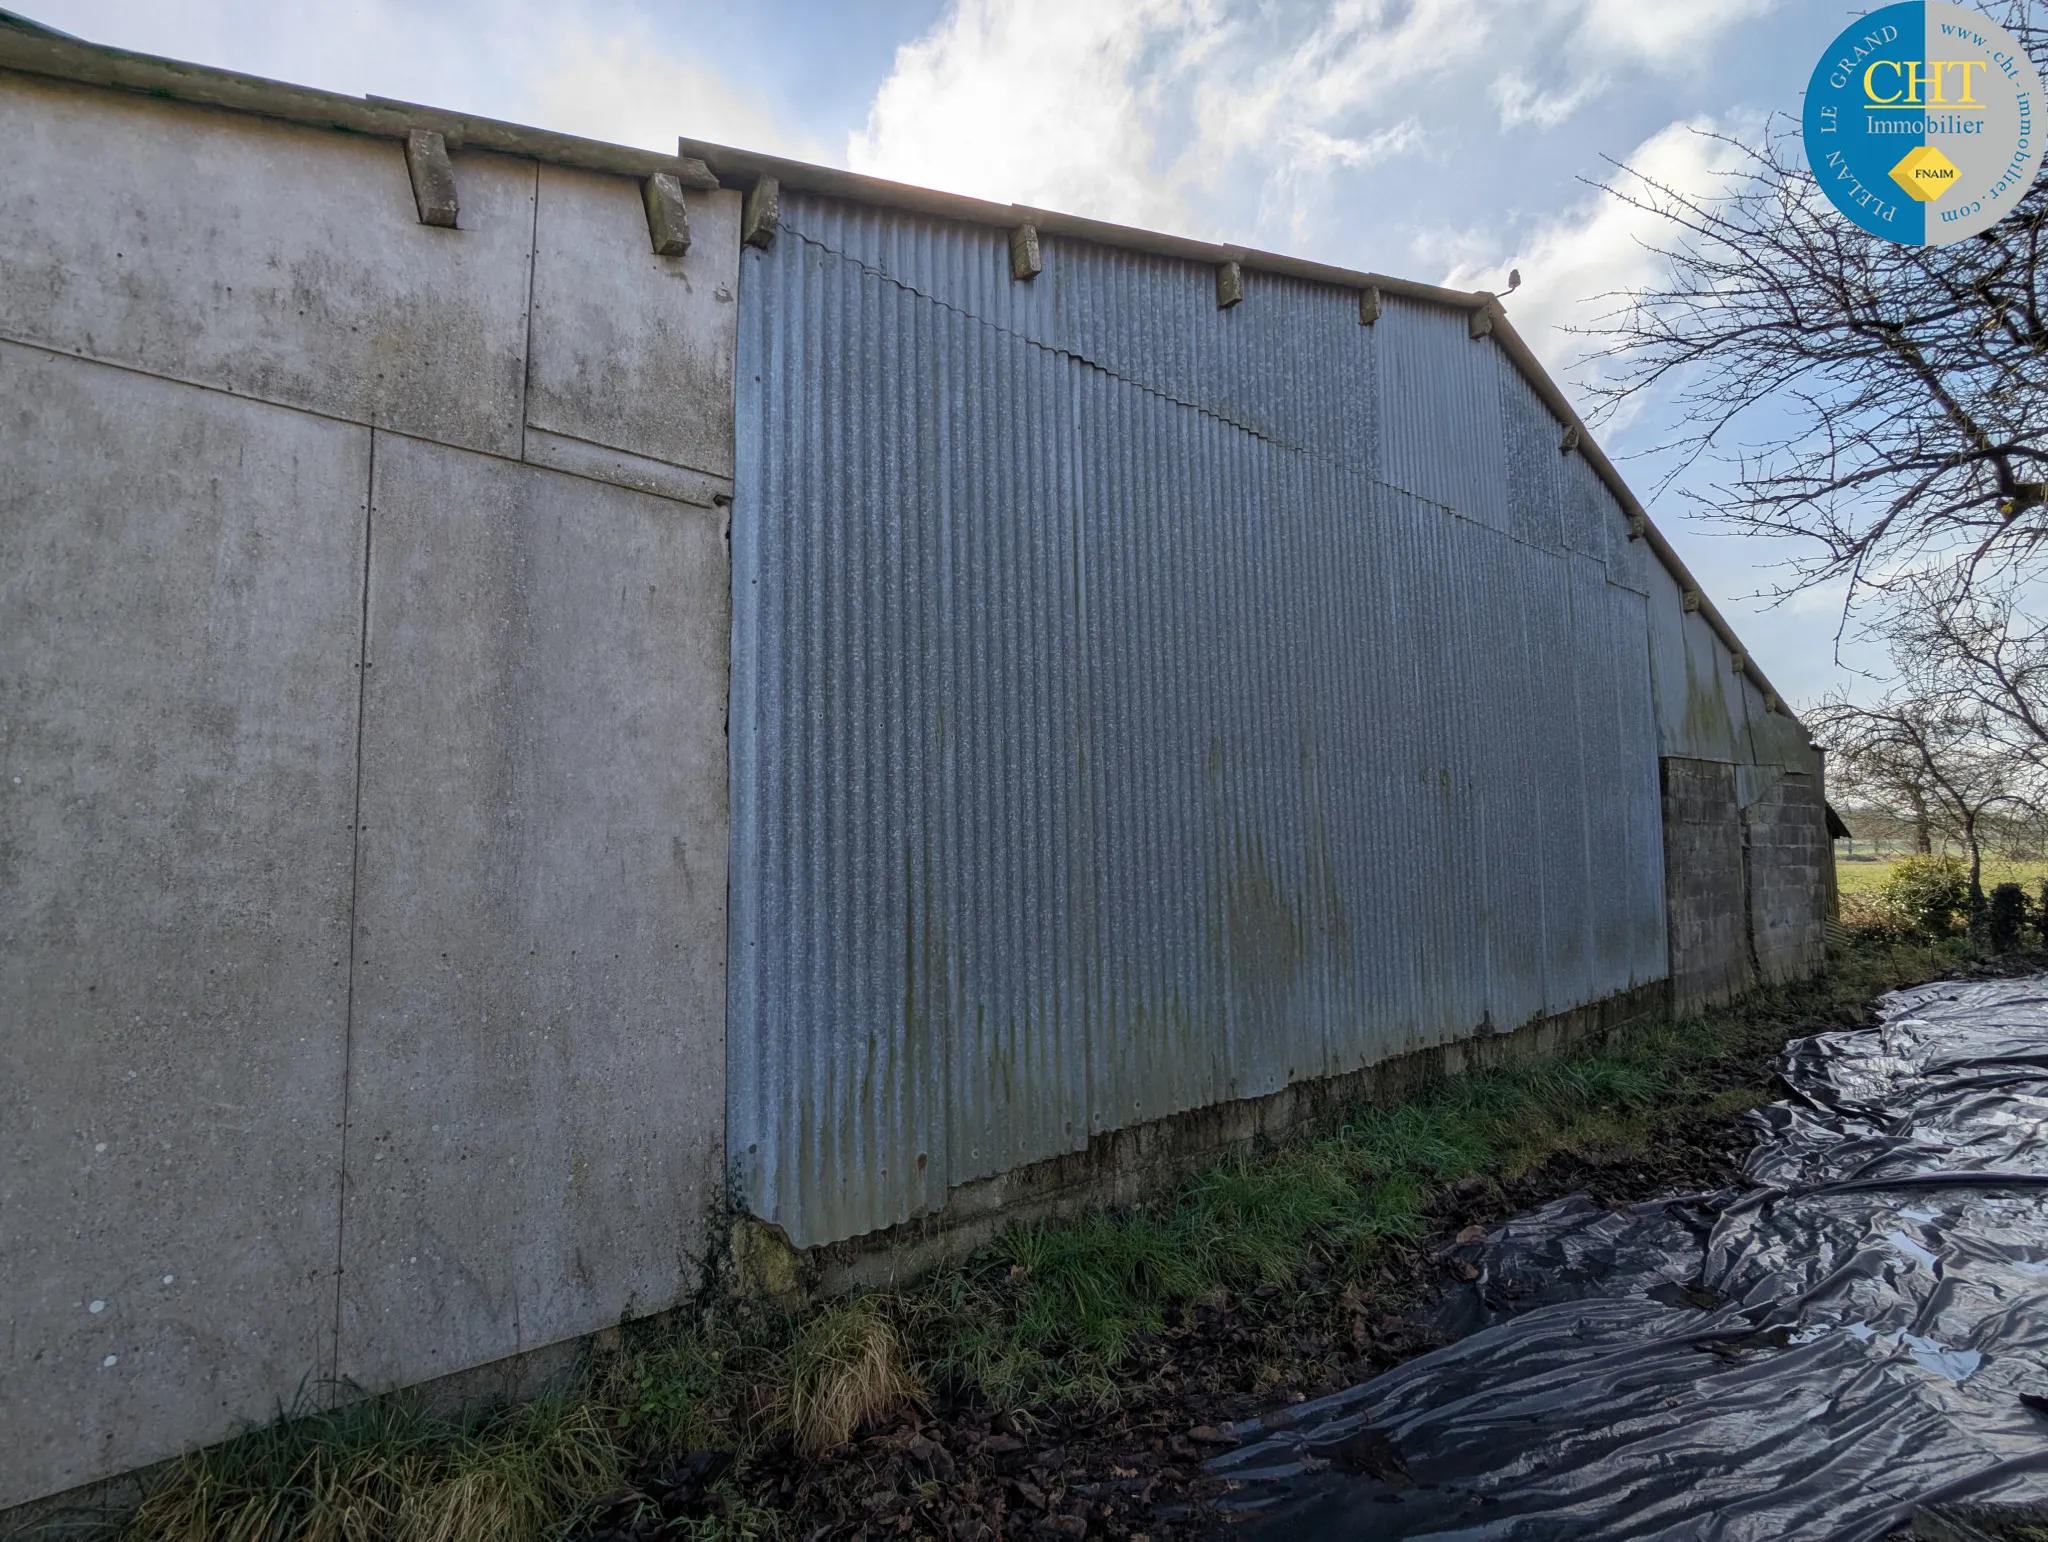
{"points": [[632, 351], [275, 262], [581, 458], [536, 1108], [180, 615]]}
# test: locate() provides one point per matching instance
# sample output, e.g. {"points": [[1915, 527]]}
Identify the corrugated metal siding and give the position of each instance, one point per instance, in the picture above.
{"points": [[1123, 312], [1588, 509], [1705, 711], [1624, 796], [1107, 739], [1775, 739], [1630, 563], [1534, 467], [1450, 394]]}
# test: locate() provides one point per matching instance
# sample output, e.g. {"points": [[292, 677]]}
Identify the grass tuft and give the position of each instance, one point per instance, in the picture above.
{"points": [[844, 1369], [386, 1469]]}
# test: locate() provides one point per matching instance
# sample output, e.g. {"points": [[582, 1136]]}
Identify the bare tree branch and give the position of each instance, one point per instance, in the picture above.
{"points": [[1914, 379]]}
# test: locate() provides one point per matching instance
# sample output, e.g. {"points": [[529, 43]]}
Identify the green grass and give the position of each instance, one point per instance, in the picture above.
{"points": [[1048, 1315], [1866, 875], [385, 1468]]}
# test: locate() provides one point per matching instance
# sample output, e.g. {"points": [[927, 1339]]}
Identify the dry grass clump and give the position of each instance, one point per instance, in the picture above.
{"points": [[384, 1471], [1868, 912], [539, 1463], [845, 1368]]}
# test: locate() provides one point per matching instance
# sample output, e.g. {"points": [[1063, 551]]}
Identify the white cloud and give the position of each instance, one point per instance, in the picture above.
{"points": [[1662, 33], [1318, 148], [574, 65], [1051, 103], [1144, 112], [1364, 55], [1597, 247], [1158, 112], [1522, 102], [627, 88]]}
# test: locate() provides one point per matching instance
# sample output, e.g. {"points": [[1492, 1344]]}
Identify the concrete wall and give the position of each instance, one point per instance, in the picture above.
{"points": [[363, 625]]}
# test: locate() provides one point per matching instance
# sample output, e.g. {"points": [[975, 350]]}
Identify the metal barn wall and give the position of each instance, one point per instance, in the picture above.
{"points": [[1137, 705]]}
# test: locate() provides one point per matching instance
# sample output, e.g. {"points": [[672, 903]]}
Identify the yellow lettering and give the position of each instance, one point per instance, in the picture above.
{"points": [[1912, 83], [1967, 65], [1870, 88]]}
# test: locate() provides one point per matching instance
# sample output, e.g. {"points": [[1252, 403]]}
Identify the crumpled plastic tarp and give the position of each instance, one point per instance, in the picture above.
{"points": [[1813, 1356]]}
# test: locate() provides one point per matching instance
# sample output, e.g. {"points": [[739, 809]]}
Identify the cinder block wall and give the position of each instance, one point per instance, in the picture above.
{"points": [[1791, 866], [1706, 888], [364, 616], [1746, 887]]}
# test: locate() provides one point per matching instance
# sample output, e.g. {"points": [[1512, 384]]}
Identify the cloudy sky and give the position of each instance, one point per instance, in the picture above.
{"points": [[1443, 140]]}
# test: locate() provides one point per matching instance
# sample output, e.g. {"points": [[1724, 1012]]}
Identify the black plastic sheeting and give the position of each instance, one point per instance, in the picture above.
{"points": [[1815, 1356]]}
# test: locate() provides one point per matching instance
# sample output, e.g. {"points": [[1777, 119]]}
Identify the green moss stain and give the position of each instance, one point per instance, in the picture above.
{"points": [[1708, 724], [928, 1036], [1272, 935], [1116, 1029]]}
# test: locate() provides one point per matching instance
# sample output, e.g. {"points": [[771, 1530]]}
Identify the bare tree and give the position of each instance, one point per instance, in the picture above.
{"points": [[1984, 646], [1925, 755], [1914, 379]]}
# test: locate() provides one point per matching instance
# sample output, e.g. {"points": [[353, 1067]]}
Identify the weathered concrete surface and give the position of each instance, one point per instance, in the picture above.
{"points": [[180, 613], [536, 1113], [1706, 887], [1790, 863], [536, 1107], [633, 352], [267, 260]]}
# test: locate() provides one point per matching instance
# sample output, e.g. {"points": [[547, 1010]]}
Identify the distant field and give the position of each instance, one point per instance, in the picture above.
{"points": [[1865, 875]]}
